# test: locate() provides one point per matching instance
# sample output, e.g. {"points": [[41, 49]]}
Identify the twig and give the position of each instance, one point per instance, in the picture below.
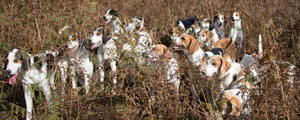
{"points": [[38, 30]]}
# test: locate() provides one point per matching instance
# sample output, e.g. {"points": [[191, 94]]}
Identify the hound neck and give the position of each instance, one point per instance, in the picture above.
{"points": [[237, 25], [196, 57]]}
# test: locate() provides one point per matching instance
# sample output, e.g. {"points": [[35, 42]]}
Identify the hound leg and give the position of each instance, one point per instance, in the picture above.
{"points": [[89, 69], [114, 71], [101, 71], [74, 82], [240, 46], [52, 83], [63, 66], [44, 86], [101, 67], [193, 90], [28, 100], [86, 83]]}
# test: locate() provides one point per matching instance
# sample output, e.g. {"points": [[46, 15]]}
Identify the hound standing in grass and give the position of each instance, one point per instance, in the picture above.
{"points": [[79, 63], [31, 74], [107, 51], [161, 54], [236, 26]]}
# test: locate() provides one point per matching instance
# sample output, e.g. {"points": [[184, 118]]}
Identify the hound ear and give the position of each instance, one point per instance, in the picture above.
{"points": [[210, 22], [177, 22], [210, 34], [194, 45], [215, 18], [105, 37], [25, 63], [167, 53], [224, 67], [211, 27], [115, 13]]}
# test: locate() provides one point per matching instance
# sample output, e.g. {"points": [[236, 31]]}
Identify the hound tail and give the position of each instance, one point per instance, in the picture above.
{"points": [[260, 49], [233, 38], [63, 29]]}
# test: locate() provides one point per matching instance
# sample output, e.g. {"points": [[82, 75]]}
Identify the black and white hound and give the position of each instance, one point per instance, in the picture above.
{"points": [[112, 18], [78, 60], [33, 70], [106, 51]]}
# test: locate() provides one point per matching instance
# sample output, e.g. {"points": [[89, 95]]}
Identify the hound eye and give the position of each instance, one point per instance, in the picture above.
{"points": [[214, 64], [98, 34], [16, 60], [182, 39]]}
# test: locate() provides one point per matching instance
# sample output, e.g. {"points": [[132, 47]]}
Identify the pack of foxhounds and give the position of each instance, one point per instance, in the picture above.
{"points": [[203, 42]]}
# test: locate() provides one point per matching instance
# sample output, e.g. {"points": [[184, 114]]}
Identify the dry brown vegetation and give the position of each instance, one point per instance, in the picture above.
{"points": [[277, 20]]}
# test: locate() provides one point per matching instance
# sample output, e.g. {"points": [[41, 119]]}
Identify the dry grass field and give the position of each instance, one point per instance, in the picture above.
{"points": [[277, 20]]}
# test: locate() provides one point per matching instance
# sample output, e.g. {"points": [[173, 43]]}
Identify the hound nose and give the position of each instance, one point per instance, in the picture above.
{"points": [[7, 72]]}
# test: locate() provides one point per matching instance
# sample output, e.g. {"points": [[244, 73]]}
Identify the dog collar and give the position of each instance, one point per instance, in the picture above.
{"points": [[238, 28]]}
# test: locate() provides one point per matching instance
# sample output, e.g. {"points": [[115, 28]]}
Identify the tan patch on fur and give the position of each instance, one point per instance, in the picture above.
{"points": [[236, 104], [163, 52], [231, 47]]}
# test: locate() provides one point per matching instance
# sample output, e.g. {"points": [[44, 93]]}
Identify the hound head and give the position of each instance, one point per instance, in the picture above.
{"points": [[176, 32], [159, 52], [99, 37], [205, 24], [72, 44], [186, 43], [13, 63], [216, 65], [134, 25], [219, 20], [235, 17], [205, 38], [110, 14], [186, 23], [180, 24]]}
